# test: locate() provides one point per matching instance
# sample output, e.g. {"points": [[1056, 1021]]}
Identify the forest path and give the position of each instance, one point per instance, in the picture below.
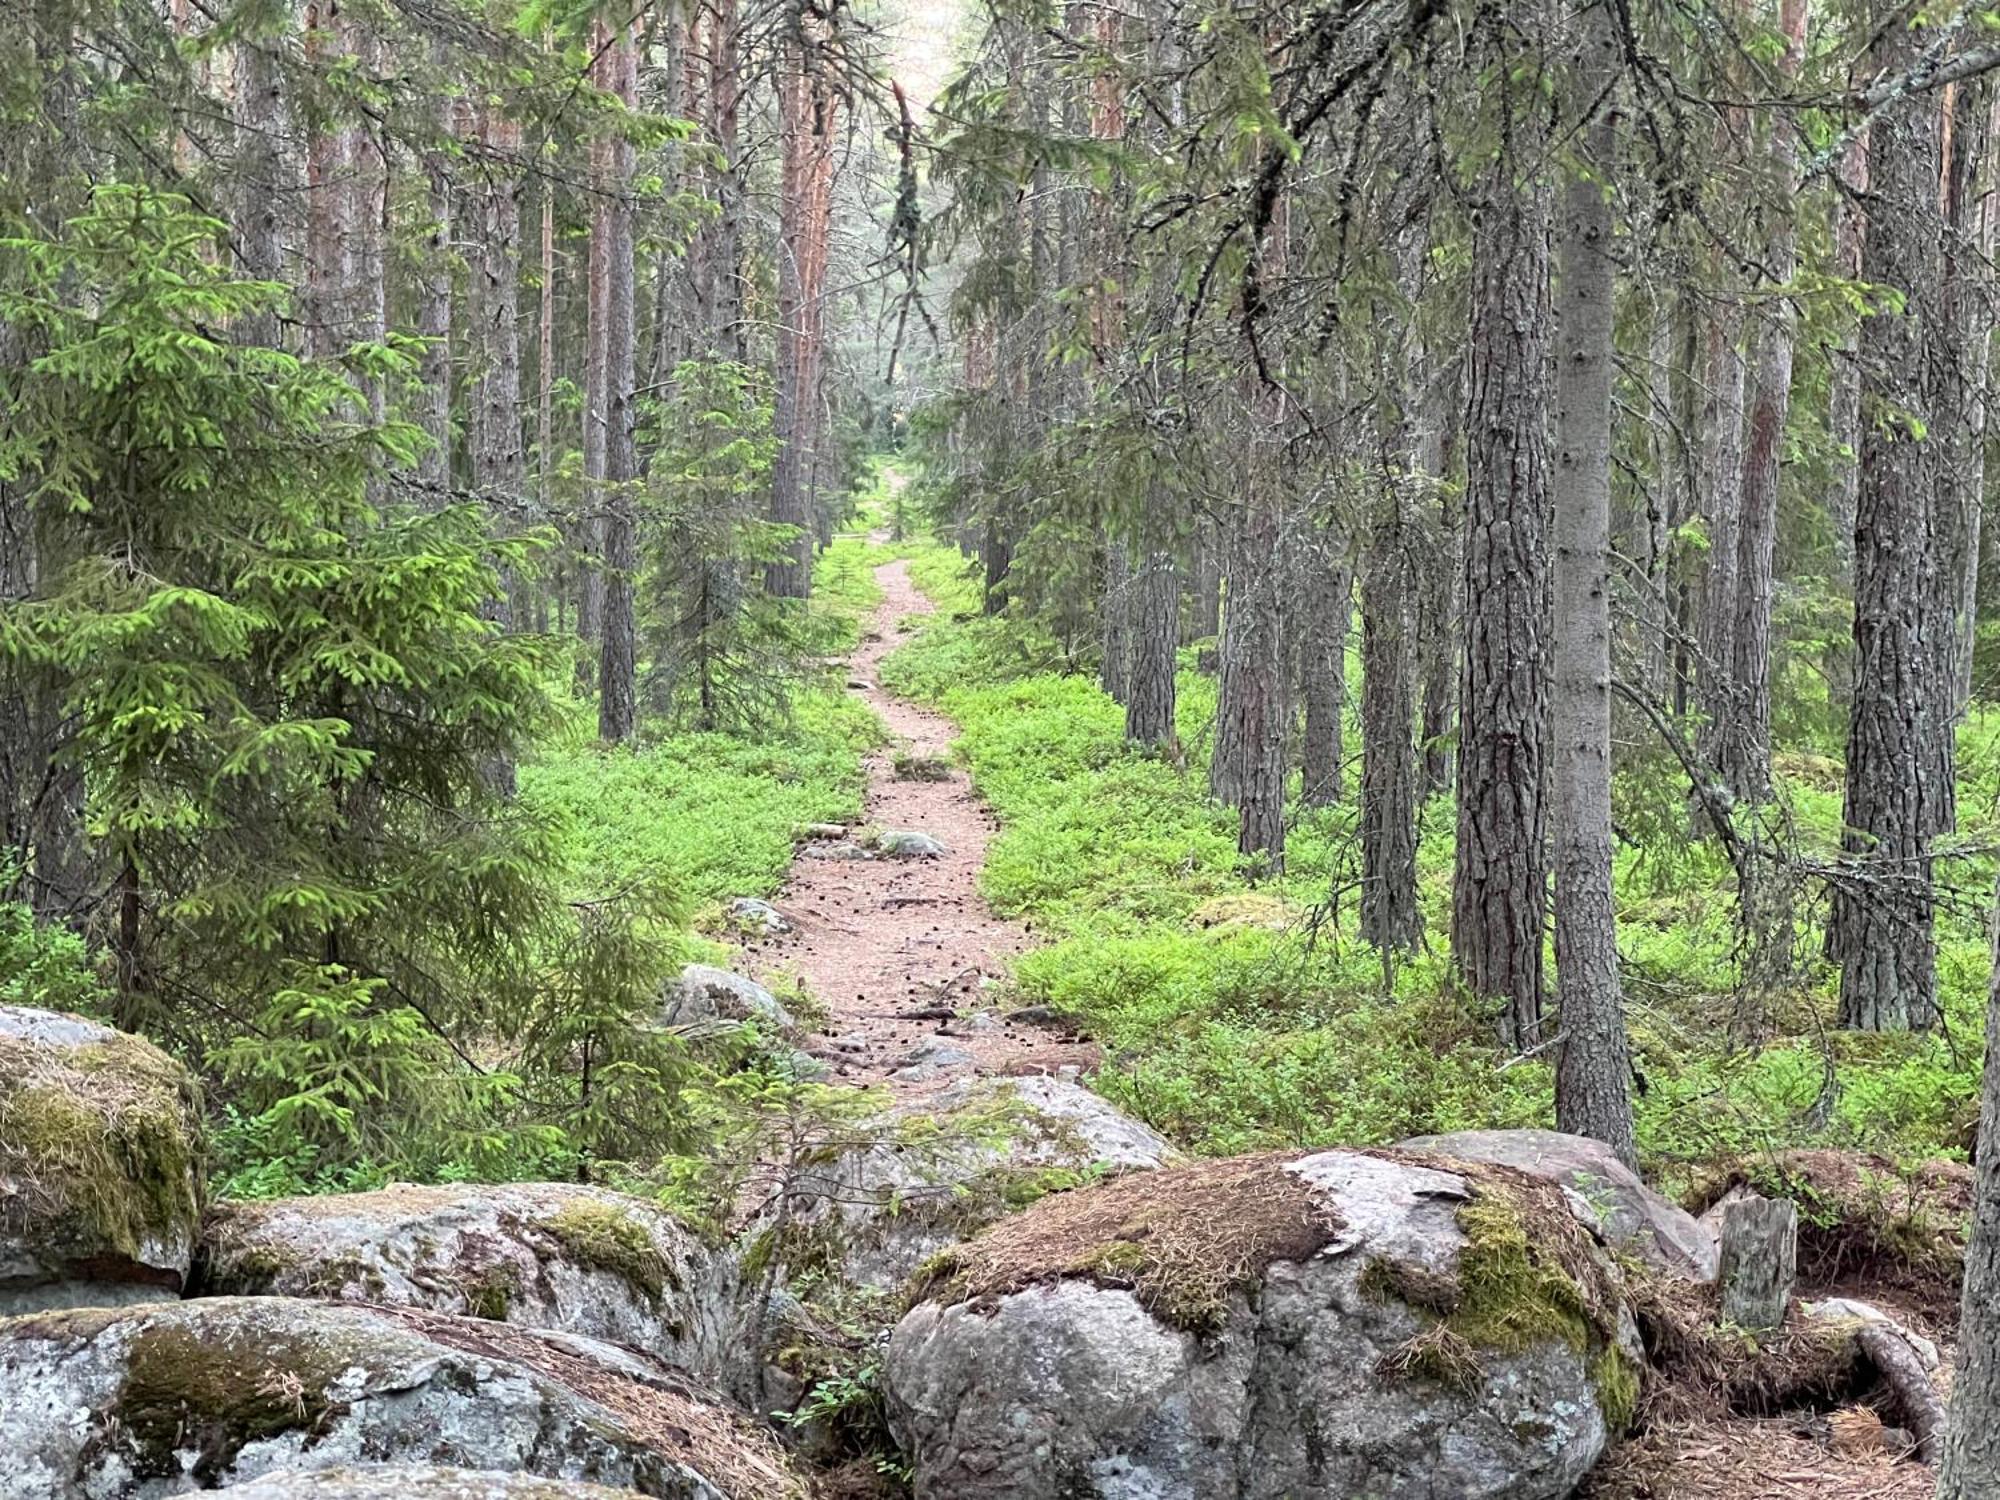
{"points": [[896, 949]]}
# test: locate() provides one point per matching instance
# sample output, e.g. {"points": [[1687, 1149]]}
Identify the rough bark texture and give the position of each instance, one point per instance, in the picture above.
{"points": [[617, 661], [1758, 1261], [434, 301], [267, 177], [1970, 1469], [1247, 770], [499, 463], [1156, 624], [1390, 918], [1594, 1067], [1743, 739], [1499, 886], [1114, 671], [1718, 479], [807, 107], [1899, 754], [1959, 384], [1844, 396], [1328, 609]]}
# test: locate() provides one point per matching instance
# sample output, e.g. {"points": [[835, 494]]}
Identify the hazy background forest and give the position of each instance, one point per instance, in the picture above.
{"points": [[633, 594]]}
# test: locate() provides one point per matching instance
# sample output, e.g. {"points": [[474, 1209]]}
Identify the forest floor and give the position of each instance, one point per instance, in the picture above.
{"points": [[899, 950], [900, 953]]}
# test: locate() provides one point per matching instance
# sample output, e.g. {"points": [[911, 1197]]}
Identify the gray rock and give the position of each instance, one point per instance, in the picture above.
{"points": [[979, 1023], [759, 917], [706, 993], [940, 1170], [139, 1403], [844, 849], [933, 1058], [906, 845], [1609, 1195], [1307, 1388], [417, 1482], [100, 1165], [550, 1255]]}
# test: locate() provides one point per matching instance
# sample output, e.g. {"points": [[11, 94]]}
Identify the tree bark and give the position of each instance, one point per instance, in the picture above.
{"points": [[1970, 1465], [1247, 770], [1743, 738], [1156, 626], [617, 678], [1390, 917], [1718, 477], [1899, 792], [1328, 610], [807, 109], [499, 462], [1499, 884], [1966, 334], [1114, 671], [1594, 1067]]}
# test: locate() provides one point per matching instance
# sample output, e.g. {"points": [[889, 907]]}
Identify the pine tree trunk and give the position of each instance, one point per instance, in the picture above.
{"points": [[1970, 1466], [1499, 884], [1743, 738], [1114, 670], [617, 680], [1156, 627], [1719, 496], [1253, 716], [1844, 414], [1592, 1072], [1390, 918], [1899, 754], [330, 203], [1959, 375], [806, 109], [267, 179], [434, 317], [499, 464], [1328, 611]]}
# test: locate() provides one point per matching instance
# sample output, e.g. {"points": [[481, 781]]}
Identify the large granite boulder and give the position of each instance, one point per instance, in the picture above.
{"points": [[932, 1173], [417, 1482], [100, 1164], [135, 1403], [1631, 1216], [542, 1255], [1337, 1326]]}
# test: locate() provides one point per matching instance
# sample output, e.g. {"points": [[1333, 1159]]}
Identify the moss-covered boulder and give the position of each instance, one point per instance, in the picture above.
{"points": [[931, 1173], [1632, 1218], [1341, 1326], [135, 1403], [100, 1164], [541, 1255], [417, 1482]]}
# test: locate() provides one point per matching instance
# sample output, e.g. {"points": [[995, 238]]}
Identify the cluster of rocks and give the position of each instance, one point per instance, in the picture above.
{"points": [[1076, 1310]]}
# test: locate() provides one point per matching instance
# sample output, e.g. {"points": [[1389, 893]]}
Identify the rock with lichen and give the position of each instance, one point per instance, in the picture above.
{"points": [[1631, 1216], [1341, 1325], [100, 1164], [417, 1482], [142, 1402], [549, 1255], [704, 993], [932, 1172]]}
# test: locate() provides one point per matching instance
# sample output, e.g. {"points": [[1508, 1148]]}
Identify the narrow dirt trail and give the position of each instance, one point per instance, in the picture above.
{"points": [[896, 949]]}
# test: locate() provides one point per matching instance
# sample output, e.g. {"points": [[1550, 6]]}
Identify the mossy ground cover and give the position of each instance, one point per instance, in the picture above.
{"points": [[1231, 1036], [707, 816]]}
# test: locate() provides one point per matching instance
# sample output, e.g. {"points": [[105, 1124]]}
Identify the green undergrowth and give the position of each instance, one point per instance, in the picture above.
{"points": [[1230, 1036], [707, 816]]}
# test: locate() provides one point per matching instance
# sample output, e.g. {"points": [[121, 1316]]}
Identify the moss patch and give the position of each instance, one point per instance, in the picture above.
{"points": [[604, 1237], [214, 1396], [1179, 1240], [1527, 1273], [106, 1136]]}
